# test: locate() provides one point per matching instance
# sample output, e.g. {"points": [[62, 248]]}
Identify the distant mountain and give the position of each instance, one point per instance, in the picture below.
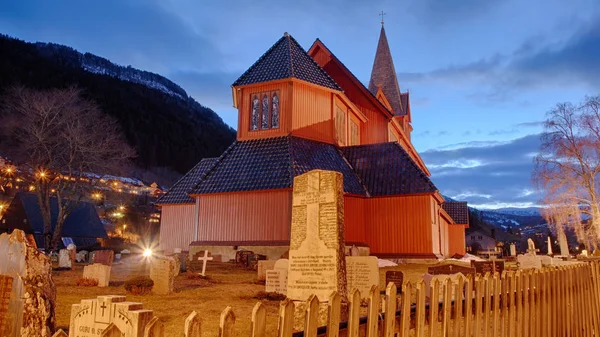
{"points": [[509, 217], [529, 211], [167, 128]]}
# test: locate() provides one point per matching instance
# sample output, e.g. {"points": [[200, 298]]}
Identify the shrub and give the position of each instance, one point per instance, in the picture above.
{"points": [[139, 285], [86, 282]]}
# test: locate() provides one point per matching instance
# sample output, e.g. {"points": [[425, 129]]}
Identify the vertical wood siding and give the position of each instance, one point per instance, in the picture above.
{"points": [[244, 111], [177, 226], [444, 234], [399, 225], [311, 113], [256, 216], [456, 239], [355, 219]]}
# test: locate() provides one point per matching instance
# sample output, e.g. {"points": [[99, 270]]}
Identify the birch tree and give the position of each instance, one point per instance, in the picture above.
{"points": [[60, 138], [567, 167]]}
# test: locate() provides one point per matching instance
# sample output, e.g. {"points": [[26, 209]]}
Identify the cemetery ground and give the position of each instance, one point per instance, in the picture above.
{"points": [[227, 284]]}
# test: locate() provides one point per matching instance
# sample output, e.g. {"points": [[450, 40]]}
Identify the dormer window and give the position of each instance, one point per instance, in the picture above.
{"points": [[265, 111]]}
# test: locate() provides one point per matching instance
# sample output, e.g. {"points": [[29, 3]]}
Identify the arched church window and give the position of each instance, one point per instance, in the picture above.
{"points": [[275, 112], [265, 112], [255, 113]]}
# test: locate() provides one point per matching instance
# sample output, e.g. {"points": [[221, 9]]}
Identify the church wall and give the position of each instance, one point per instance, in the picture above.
{"points": [[177, 226], [399, 226], [456, 240], [354, 219], [444, 237], [244, 110], [245, 216], [312, 112]]}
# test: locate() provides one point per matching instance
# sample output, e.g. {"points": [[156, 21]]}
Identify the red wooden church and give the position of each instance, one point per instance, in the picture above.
{"points": [[300, 111]]}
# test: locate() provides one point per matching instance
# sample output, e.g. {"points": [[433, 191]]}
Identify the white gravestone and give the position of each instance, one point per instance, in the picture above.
{"points": [[531, 247], [550, 246], [81, 256], [528, 261], [276, 279], [90, 317], [317, 255], [204, 259], [98, 271], [263, 266], [362, 273], [64, 259], [562, 242], [513, 250]]}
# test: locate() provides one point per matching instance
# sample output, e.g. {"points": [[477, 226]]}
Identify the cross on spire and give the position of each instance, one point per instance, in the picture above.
{"points": [[382, 14]]}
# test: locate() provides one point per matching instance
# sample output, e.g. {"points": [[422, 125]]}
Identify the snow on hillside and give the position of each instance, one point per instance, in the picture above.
{"points": [[529, 211]]}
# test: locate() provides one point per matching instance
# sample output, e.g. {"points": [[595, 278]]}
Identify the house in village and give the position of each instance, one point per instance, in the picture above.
{"points": [[81, 227], [299, 111]]}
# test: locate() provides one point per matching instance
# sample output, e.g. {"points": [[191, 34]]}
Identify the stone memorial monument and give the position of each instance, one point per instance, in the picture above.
{"points": [[263, 266], [64, 259], [33, 295], [362, 272], [162, 272], [98, 271], [531, 247], [395, 276], [106, 257], [91, 317], [276, 279], [562, 242], [317, 256], [527, 261], [550, 246], [513, 249]]}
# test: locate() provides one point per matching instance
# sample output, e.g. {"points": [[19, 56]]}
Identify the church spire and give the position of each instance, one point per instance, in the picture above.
{"points": [[384, 75]]}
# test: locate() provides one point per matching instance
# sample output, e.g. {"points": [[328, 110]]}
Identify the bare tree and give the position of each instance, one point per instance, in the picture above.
{"points": [[567, 168], [60, 137]]}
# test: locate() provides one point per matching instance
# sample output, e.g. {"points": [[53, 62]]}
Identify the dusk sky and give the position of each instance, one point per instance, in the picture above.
{"points": [[481, 73]]}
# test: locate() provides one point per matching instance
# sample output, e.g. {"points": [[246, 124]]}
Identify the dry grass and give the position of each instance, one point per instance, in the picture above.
{"points": [[227, 285]]}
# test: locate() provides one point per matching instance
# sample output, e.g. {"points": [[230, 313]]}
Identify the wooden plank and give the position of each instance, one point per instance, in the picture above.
{"points": [[259, 320], [532, 305], [512, 305], [526, 289], [193, 325], [226, 322], [373, 312], [354, 313], [286, 318], [504, 304], [311, 316], [468, 305], [519, 301], [111, 331], [60, 333], [420, 313], [596, 299], [553, 309], [390, 307], [334, 309], [458, 306], [478, 313], [538, 297], [545, 305], [487, 310], [404, 313], [434, 303], [447, 307], [496, 304], [154, 328]]}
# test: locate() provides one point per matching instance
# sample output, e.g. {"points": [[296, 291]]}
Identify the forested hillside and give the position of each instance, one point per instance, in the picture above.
{"points": [[167, 128]]}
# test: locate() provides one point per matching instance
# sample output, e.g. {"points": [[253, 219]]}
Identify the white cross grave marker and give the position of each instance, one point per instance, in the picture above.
{"points": [[204, 259]]}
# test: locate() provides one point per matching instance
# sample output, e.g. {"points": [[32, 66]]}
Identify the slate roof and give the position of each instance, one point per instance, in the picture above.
{"points": [[404, 101], [386, 169], [458, 211], [272, 163], [83, 221], [178, 193], [285, 59], [384, 75]]}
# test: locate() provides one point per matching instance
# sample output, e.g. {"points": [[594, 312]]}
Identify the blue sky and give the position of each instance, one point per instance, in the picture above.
{"points": [[482, 73]]}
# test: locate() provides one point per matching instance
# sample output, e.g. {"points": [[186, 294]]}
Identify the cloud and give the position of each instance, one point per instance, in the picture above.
{"points": [[440, 12], [486, 173]]}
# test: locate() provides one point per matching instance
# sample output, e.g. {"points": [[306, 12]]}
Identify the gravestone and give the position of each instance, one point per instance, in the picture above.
{"points": [[64, 259], [81, 256], [513, 249], [395, 276], [547, 260], [562, 242], [162, 272], [449, 269], [198, 261], [429, 279], [354, 251], [549, 242], [317, 263], [98, 271], [5, 316], [276, 279], [528, 261], [33, 295], [596, 253], [263, 266], [204, 259], [492, 266], [253, 260], [182, 257], [241, 257], [362, 273], [531, 250], [106, 257], [91, 317]]}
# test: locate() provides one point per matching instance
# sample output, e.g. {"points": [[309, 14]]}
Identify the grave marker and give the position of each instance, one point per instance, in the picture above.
{"points": [[64, 259], [106, 257], [562, 242], [92, 317], [317, 257], [362, 273], [162, 272], [276, 279], [396, 277], [527, 261], [241, 257], [204, 259], [98, 271], [492, 266], [449, 269], [263, 266]]}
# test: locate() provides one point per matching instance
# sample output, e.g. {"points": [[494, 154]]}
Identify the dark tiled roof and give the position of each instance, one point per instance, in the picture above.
{"points": [[404, 101], [272, 163], [286, 59], [384, 75], [178, 193], [458, 211], [386, 169]]}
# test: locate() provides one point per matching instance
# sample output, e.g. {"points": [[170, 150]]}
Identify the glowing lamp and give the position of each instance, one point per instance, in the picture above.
{"points": [[147, 252]]}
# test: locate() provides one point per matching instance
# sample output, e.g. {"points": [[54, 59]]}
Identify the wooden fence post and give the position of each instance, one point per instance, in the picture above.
{"points": [[519, 301], [154, 328], [286, 318], [447, 308], [434, 305], [468, 305], [478, 311], [459, 296], [496, 309], [259, 320], [487, 309], [192, 327], [334, 308], [390, 309], [404, 313], [311, 316], [111, 331], [373, 312], [504, 304], [354, 313], [512, 304], [60, 333], [420, 315], [226, 323]]}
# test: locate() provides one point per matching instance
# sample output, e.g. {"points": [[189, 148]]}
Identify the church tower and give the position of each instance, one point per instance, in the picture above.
{"points": [[384, 83]]}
